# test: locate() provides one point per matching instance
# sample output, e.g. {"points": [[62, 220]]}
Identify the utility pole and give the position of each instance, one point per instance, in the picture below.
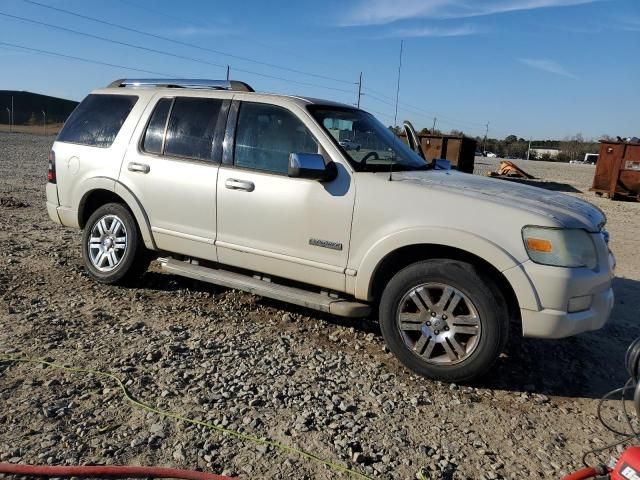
{"points": [[486, 133], [359, 89], [9, 117], [228, 67], [529, 149], [11, 122], [433, 129], [44, 122]]}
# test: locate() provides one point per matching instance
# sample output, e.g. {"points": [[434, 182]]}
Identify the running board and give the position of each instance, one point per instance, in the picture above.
{"points": [[296, 296]]}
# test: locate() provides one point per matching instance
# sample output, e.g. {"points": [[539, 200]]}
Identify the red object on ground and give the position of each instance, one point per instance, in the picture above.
{"points": [[584, 474], [106, 471], [628, 466]]}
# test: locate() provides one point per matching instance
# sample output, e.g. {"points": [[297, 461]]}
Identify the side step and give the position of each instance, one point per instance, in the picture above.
{"points": [[296, 296]]}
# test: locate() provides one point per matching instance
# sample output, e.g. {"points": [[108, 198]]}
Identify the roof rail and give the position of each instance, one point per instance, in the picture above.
{"points": [[182, 83]]}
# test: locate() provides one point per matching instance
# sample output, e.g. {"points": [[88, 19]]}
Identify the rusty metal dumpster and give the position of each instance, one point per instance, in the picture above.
{"points": [[460, 151], [618, 170]]}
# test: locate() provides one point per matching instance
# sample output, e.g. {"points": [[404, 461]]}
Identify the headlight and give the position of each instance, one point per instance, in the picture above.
{"points": [[560, 247]]}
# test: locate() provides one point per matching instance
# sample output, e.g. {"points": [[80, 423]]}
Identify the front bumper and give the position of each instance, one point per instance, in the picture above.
{"points": [[557, 287], [549, 323]]}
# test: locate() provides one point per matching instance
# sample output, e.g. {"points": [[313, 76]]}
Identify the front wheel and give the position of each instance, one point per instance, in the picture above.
{"points": [[112, 248], [443, 320]]}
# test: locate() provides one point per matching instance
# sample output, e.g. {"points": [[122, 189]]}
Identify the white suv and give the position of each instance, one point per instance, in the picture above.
{"points": [[255, 192]]}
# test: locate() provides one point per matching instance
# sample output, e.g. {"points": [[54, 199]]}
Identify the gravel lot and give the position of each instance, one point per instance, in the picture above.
{"points": [[319, 383]]}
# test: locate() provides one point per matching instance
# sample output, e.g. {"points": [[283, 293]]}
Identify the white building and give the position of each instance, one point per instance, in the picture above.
{"points": [[539, 152]]}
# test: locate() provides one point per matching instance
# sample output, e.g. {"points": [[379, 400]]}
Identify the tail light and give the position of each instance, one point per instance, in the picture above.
{"points": [[51, 174]]}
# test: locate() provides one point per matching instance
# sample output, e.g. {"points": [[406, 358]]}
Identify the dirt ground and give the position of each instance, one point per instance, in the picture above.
{"points": [[51, 129], [309, 381]]}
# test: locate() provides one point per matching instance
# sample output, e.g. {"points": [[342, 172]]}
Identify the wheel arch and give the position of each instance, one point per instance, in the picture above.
{"points": [[378, 267], [94, 198]]}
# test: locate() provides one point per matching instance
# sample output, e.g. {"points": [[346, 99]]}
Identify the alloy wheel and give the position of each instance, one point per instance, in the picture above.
{"points": [[439, 324], [107, 243]]}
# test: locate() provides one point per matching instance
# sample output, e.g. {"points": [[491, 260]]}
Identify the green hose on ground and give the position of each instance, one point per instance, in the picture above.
{"points": [[242, 436]]}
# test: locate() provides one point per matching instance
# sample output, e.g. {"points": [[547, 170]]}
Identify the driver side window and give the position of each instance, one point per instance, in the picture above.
{"points": [[266, 135]]}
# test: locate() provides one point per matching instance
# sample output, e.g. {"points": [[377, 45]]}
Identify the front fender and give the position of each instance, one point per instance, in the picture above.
{"points": [[460, 239]]}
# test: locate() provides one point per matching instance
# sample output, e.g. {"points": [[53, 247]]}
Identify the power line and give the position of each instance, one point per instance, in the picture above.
{"points": [[473, 132], [157, 12], [199, 24], [187, 44], [377, 95], [160, 52], [404, 107], [380, 114], [420, 114], [87, 60], [105, 39]]}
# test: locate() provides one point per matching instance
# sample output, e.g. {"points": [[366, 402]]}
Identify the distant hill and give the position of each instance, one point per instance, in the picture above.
{"points": [[28, 107]]}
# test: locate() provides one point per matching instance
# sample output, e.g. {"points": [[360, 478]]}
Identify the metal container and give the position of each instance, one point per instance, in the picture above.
{"points": [[618, 170], [460, 151]]}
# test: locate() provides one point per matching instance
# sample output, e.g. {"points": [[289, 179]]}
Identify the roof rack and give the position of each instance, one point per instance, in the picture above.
{"points": [[182, 83]]}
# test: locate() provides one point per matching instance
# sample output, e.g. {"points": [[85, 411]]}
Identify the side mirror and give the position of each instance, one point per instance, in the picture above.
{"points": [[312, 167]]}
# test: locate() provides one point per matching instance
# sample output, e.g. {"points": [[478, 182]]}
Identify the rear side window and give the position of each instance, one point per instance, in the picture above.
{"points": [[154, 134], [266, 135], [97, 120], [190, 131], [191, 128]]}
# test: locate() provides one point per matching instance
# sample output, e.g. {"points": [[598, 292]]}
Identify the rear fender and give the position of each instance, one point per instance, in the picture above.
{"points": [[109, 184]]}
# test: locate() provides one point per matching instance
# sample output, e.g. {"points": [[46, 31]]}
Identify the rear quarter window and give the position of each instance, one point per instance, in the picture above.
{"points": [[97, 120]]}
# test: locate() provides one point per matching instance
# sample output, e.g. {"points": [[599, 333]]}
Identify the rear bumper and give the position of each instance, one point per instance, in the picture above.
{"points": [[548, 323], [61, 215], [52, 202], [52, 210]]}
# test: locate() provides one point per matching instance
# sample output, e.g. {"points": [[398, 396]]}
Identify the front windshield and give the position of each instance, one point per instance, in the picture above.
{"points": [[369, 145]]}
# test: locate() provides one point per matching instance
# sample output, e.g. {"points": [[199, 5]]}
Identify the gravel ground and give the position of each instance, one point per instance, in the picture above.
{"points": [[310, 381]]}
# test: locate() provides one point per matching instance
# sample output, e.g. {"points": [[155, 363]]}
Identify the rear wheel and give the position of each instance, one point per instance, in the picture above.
{"points": [[112, 248], [443, 320]]}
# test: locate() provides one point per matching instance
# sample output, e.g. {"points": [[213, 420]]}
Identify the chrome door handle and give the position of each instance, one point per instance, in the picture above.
{"points": [[244, 185], [138, 167]]}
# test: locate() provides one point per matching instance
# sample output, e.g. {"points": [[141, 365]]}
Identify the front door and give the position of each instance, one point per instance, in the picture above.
{"points": [[173, 172], [267, 222]]}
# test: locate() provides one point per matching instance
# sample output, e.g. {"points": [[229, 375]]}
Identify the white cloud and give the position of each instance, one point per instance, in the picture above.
{"points": [[436, 31], [545, 65], [630, 24], [380, 12], [202, 31]]}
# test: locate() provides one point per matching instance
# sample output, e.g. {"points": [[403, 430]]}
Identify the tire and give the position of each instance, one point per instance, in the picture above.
{"points": [[457, 329], [112, 247]]}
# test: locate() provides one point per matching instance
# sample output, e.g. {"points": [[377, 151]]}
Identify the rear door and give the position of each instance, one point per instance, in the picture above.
{"points": [[172, 167]]}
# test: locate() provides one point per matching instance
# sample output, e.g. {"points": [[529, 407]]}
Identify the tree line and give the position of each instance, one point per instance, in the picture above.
{"points": [[512, 146]]}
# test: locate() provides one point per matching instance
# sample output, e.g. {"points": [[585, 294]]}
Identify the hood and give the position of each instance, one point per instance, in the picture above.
{"points": [[569, 211]]}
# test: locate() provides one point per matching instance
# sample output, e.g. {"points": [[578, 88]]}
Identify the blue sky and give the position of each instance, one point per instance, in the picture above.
{"points": [[539, 68]]}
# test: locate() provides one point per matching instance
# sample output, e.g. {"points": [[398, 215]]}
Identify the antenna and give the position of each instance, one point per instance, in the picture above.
{"points": [[395, 116]]}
